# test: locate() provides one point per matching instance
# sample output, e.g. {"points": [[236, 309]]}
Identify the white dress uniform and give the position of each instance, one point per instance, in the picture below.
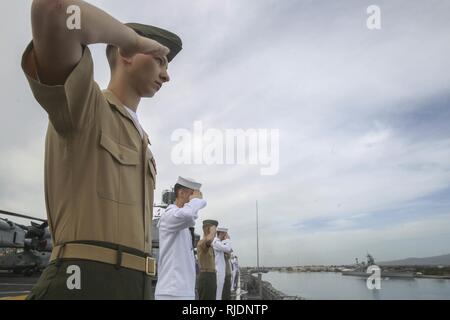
{"points": [[220, 247], [176, 263], [234, 275]]}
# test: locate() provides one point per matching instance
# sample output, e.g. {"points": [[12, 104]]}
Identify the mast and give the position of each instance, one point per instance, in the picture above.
{"points": [[257, 237], [257, 254]]}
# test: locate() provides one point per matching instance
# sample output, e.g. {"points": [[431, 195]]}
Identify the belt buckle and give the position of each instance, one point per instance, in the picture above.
{"points": [[149, 261]]}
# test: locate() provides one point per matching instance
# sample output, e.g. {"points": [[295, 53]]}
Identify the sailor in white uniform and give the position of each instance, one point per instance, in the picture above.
{"points": [[221, 244], [235, 273], [176, 263]]}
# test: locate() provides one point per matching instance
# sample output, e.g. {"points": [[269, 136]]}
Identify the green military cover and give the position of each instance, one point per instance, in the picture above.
{"points": [[164, 37]]}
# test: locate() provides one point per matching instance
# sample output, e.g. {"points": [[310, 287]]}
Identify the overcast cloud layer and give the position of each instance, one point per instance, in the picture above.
{"points": [[363, 118]]}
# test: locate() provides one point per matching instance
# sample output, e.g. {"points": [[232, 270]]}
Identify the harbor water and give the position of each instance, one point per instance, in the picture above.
{"points": [[331, 285]]}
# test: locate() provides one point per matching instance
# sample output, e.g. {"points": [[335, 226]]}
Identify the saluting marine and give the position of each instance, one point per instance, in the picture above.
{"points": [[99, 171], [207, 279], [176, 263]]}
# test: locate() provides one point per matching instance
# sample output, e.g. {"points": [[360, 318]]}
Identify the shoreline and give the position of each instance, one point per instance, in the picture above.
{"points": [[419, 276]]}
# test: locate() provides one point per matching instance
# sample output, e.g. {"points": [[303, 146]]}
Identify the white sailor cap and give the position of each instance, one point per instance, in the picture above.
{"points": [[189, 183], [222, 229]]}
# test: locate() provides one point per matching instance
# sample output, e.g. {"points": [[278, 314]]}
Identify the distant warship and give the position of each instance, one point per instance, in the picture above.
{"points": [[360, 270]]}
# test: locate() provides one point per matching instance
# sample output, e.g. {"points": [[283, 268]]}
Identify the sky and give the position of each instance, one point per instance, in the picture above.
{"points": [[362, 116]]}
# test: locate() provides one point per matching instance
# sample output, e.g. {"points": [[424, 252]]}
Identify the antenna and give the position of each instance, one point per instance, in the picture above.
{"points": [[12, 214]]}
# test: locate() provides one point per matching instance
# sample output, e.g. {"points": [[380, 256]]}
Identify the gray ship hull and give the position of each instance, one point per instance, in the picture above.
{"points": [[383, 274]]}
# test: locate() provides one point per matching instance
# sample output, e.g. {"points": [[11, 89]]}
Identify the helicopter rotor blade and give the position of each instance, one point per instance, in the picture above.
{"points": [[21, 216]]}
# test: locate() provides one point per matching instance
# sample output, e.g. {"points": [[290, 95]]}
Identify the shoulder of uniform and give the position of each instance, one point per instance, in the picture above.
{"points": [[169, 208], [201, 243]]}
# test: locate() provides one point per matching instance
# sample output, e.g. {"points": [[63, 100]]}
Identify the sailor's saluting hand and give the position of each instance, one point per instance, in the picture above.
{"points": [[196, 195]]}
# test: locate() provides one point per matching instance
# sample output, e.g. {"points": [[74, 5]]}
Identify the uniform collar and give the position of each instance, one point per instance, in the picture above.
{"points": [[119, 106], [116, 103]]}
